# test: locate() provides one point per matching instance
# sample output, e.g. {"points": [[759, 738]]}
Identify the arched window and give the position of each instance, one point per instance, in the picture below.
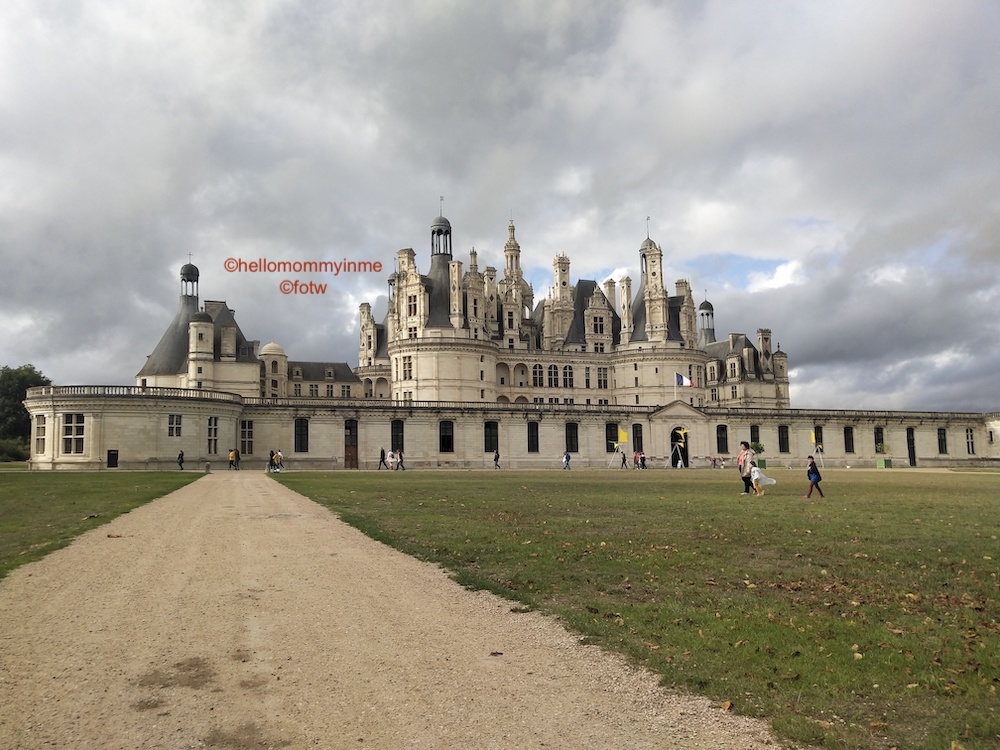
{"points": [[537, 376], [722, 438]]}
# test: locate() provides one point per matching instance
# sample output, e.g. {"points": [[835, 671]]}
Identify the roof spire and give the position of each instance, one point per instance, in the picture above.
{"points": [[647, 227]]}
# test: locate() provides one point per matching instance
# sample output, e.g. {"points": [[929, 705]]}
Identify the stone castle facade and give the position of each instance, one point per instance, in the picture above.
{"points": [[466, 362]]}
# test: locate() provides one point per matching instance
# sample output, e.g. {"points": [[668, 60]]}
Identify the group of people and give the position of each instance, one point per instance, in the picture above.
{"points": [[275, 461], [755, 480], [638, 460], [395, 460], [234, 459]]}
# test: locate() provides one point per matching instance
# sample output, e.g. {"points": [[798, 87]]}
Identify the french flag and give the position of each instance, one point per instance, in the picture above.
{"points": [[681, 380]]}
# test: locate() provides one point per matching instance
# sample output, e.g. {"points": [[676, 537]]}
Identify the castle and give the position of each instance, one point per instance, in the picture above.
{"points": [[466, 363]]}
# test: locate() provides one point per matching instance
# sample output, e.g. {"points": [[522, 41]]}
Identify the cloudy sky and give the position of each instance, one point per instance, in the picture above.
{"points": [[830, 171]]}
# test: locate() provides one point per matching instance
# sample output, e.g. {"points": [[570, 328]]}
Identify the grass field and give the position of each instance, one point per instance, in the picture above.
{"points": [[867, 620], [870, 619], [43, 511]]}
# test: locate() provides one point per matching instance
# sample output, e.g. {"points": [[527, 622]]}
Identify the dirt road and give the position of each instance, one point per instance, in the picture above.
{"points": [[237, 614]]}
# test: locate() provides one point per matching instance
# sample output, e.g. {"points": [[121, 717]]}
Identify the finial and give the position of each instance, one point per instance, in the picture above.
{"points": [[441, 207], [647, 227]]}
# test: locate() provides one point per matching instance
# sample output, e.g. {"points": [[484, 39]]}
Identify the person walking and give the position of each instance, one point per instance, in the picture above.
{"points": [[381, 459], [566, 458], [814, 477], [180, 460], [399, 460], [496, 459], [745, 462]]}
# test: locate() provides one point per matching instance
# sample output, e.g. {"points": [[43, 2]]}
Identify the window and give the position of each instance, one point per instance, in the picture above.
{"points": [[602, 377], [345, 391], [970, 441], [599, 325], [396, 435], [537, 376], [572, 437], [297, 389], [637, 438], [783, 438], [586, 377], [532, 437], [491, 437], [755, 433], [610, 437], [446, 437], [553, 376], [722, 438], [411, 304], [713, 394], [818, 437], [942, 440], [314, 390], [73, 433], [879, 435], [567, 376], [732, 369], [598, 346], [734, 392], [40, 433], [329, 390], [246, 437], [510, 320], [411, 332], [173, 425], [213, 435], [301, 435], [848, 440], [408, 367]]}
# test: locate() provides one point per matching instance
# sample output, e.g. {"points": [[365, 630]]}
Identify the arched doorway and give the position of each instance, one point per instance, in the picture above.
{"points": [[679, 447]]}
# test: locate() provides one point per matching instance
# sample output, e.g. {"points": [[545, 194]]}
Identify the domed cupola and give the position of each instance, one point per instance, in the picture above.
{"points": [[440, 237], [189, 280], [706, 324]]}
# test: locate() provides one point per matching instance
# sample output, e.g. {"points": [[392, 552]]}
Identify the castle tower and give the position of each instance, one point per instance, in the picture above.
{"points": [[706, 324]]}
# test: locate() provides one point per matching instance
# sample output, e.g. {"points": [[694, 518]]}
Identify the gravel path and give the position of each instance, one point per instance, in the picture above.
{"points": [[237, 614]]}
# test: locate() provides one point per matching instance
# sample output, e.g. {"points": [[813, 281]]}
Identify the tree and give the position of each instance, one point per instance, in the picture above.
{"points": [[14, 384]]}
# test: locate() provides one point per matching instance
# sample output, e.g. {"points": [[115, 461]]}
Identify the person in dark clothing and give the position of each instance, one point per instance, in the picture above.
{"points": [[381, 459], [180, 460], [399, 460], [496, 459], [814, 477]]}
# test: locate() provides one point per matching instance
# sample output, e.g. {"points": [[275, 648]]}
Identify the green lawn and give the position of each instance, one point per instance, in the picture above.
{"points": [[43, 511], [870, 619]]}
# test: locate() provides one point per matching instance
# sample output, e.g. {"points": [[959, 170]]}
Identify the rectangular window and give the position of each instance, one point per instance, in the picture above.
{"points": [[329, 390], [173, 425], [213, 435], [602, 377], [567, 376], [783, 442], [246, 437], [553, 376], [73, 434], [446, 437], [572, 437], [713, 395], [637, 438], [491, 437], [599, 325], [970, 441], [411, 332], [755, 433], [297, 389], [942, 440], [610, 436], [301, 435], [532, 437], [537, 376], [510, 320], [598, 346], [345, 391], [586, 377], [818, 437], [722, 438], [411, 304], [879, 436], [408, 367], [396, 435], [848, 440], [40, 433], [314, 390], [734, 392]]}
